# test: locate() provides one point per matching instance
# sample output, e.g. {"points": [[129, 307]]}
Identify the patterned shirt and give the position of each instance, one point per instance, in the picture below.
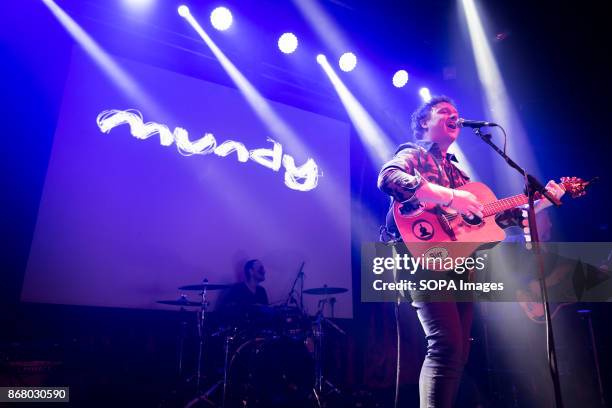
{"points": [[415, 164]]}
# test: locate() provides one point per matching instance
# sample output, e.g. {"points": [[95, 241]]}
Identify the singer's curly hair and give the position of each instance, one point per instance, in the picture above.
{"points": [[422, 113]]}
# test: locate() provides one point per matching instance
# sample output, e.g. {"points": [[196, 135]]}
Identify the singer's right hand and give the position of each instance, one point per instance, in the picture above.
{"points": [[466, 203]]}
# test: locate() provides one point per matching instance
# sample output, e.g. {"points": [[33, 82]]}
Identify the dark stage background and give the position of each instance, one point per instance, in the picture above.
{"points": [[86, 252]]}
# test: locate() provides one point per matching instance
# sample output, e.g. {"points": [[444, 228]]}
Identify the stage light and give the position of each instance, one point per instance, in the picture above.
{"points": [[183, 11], [288, 43], [277, 127], [400, 78], [347, 62], [120, 77], [377, 143], [138, 4], [425, 94], [499, 105], [221, 18]]}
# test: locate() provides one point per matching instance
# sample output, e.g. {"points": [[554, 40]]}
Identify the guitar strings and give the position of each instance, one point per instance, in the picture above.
{"points": [[494, 207]]}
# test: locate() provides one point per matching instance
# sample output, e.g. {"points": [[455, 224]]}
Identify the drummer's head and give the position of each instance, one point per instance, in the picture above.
{"points": [[255, 270]]}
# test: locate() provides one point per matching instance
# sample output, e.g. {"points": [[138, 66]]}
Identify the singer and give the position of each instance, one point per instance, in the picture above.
{"points": [[422, 172]]}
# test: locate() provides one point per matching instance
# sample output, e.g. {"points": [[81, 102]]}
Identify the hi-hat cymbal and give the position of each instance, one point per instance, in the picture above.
{"points": [[207, 286], [180, 302], [325, 290]]}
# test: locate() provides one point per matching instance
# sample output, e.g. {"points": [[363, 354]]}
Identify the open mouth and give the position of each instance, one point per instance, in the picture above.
{"points": [[451, 124]]}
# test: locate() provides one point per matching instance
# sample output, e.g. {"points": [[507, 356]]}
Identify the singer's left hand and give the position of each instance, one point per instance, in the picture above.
{"points": [[555, 190]]}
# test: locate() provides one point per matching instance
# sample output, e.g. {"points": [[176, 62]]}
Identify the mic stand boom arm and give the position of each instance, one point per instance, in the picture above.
{"points": [[533, 183]]}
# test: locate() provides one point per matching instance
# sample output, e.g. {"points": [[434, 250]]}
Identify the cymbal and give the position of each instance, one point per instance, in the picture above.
{"points": [[180, 302], [207, 286], [325, 290]]}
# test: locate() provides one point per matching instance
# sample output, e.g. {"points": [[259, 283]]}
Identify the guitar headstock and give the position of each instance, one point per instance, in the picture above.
{"points": [[575, 186]]}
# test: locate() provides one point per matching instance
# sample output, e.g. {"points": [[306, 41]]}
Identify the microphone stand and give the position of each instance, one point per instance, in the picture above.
{"points": [[392, 243], [532, 185], [300, 275]]}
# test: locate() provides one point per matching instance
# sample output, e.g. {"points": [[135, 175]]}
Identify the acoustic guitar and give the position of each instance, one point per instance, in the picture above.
{"points": [[431, 230]]}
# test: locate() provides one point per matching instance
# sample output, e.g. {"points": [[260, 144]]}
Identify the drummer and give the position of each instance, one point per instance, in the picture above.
{"points": [[249, 291]]}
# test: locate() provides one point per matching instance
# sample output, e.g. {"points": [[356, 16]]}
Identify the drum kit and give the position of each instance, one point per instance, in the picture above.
{"points": [[272, 355]]}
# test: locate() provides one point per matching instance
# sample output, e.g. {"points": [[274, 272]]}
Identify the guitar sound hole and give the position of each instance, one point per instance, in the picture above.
{"points": [[406, 209], [411, 210], [475, 220]]}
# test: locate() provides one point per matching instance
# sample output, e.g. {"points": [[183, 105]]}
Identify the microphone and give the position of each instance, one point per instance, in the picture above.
{"points": [[474, 123]]}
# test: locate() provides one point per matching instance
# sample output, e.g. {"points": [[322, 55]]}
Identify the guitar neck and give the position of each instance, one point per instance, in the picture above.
{"points": [[504, 204], [574, 185]]}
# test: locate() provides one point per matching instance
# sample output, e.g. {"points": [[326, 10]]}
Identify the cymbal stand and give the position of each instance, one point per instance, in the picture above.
{"points": [[201, 333], [331, 301], [319, 334], [225, 368], [181, 342], [224, 382]]}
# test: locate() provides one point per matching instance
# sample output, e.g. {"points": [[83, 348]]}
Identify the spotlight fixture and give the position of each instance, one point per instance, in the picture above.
{"points": [[400, 78], [425, 94], [221, 18], [288, 43], [347, 62], [183, 10], [321, 58]]}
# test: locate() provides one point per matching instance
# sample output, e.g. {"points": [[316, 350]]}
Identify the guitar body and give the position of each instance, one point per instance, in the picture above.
{"points": [[432, 231], [429, 230], [535, 309]]}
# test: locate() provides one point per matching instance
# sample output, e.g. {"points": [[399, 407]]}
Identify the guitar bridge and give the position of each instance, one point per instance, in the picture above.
{"points": [[440, 214]]}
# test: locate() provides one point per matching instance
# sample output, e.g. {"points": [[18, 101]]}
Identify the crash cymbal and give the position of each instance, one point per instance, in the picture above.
{"points": [[207, 286], [180, 302], [325, 290]]}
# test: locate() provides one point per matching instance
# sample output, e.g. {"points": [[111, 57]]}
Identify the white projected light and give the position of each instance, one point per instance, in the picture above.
{"points": [[400, 78], [348, 62], [321, 58], [221, 18], [300, 178], [425, 94], [288, 43], [183, 11]]}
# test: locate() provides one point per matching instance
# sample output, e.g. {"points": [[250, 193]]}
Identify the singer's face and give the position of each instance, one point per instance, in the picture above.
{"points": [[442, 124]]}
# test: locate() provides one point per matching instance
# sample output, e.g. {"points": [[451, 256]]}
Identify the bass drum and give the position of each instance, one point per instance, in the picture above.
{"points": [[272, 373]]}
